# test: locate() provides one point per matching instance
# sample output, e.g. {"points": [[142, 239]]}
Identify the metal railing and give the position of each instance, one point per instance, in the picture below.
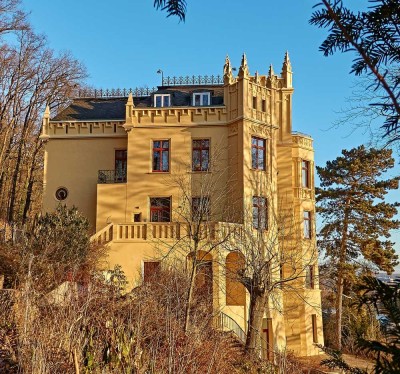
{"points": [[111, 176], [115, 92], [226, 323], [192, 80]]}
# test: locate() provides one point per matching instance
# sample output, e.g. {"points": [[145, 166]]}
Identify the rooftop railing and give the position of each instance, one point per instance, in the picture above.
{"points": [[188, 80], [192, 80]]}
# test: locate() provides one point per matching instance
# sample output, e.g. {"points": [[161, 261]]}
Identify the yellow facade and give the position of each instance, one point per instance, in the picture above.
{"points": [[116, 157]]}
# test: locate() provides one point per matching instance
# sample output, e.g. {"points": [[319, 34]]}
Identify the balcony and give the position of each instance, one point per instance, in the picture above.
{"points": [[166, 231], [111, 176]]}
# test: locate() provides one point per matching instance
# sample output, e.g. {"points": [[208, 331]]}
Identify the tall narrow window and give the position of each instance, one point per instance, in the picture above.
{"points": [[120, 165], [310, 277], [314, 328], [254, 102], [260, 213], [161, 100], [305, 174], [160, 209], [307, 224], [161, 156], [258, 152], [263, 105], [201, 99], [200, 154], [200, 208]]}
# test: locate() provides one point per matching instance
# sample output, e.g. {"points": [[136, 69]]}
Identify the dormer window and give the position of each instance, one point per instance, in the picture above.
{"points": [[201, 99], [161, 100]]}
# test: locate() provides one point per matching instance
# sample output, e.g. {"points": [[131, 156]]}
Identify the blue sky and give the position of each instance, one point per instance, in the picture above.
{"points": [[124, 42]]}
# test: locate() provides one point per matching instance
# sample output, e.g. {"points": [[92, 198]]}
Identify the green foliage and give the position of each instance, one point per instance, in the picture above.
{"points": [[63, 235], [386, 301], [374, 37], [172, 7], [353, 217]]}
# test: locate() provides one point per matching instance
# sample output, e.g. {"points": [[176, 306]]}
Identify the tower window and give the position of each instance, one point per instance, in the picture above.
{"points": [[254, 102], [305, 174], [307, 224], [260, 213], [201, 99], [258, 152], [200, 208], [161, 100]]}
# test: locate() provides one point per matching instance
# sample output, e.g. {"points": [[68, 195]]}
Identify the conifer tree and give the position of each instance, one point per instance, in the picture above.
{"points": [[356, 219]]}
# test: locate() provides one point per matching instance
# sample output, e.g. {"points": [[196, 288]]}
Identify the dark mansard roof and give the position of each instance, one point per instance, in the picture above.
{"points": [[113, 108]]}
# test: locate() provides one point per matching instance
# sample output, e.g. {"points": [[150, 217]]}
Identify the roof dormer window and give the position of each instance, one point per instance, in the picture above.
{"points": [[161, 100], [201, 99]]}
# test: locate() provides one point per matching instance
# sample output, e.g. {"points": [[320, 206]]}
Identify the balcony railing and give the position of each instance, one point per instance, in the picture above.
{"points": [[111, 176]]}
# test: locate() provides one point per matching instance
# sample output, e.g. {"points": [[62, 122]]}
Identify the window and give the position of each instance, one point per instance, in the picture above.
{"points": [[314, 328], [160, 209], [61, 193], [150, 270], [260, 213], [120, 165], [162, 100], [161, 156], [258, 153], [200, 154], [200, 208], [201, 99], [307, 224], [310, 277], [254, 102], [305, 174], [263, 105]]}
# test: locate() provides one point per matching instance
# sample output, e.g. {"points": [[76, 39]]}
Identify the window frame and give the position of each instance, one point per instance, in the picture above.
{"points": [[201, 94], [305, 173], [160, 150], [201, 149], [314, 328], [258, 149], [160, 209], [207, 209], [257, 207], [307, 224], [310, 277], [123, 160], [162, 96]]}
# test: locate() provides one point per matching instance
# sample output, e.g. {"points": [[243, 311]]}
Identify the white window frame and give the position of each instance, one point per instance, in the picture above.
{"points": [[201, 98], [163, 96]]}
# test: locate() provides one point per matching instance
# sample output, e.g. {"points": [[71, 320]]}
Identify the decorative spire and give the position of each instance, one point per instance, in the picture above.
{"points": [[256, 77], [227, 71], [130, 100], [244, 69], [129, 113], [287, 71], [45, 124], [47, 112], [271, 71], [287, 66]]}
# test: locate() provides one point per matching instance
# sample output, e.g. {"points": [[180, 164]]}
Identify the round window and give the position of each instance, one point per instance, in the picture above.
{"points": [[61, 193]]}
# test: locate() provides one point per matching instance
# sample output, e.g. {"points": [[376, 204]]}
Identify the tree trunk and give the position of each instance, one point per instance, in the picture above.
{"points": [[340, 281], [256, 315]]}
